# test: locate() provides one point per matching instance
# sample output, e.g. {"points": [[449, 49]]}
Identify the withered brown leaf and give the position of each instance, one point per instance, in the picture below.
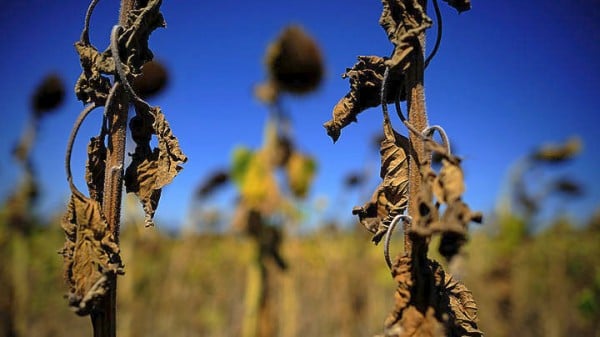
{"points": [[90, 253], [463, 309], [403, 21], [415, 323], [92, 86], [449, 185], [446, 295], [150, 170], [402, 274], [405, 319], [453, 226], [366, 77], [391, 196], [140, 24]]}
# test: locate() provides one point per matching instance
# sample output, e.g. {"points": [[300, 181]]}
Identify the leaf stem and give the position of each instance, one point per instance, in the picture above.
{"points": [[85, 33], [388, 236], [84, 113]]}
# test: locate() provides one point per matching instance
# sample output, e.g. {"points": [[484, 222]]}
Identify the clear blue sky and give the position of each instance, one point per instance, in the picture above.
{"points": [[509, 76]]}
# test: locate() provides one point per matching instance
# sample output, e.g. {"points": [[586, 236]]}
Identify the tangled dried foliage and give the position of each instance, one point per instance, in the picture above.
{"points": [[428, 301], [91, 252]]}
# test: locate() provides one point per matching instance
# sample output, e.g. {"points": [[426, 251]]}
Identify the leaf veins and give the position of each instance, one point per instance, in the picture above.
{"points": [[90, 253]]}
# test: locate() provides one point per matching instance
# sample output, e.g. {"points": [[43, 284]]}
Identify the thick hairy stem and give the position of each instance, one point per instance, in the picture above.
{"points": [[417, 117], [105, 320]]}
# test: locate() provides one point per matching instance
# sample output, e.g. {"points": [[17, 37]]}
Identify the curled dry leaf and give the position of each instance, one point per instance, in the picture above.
{"points": [[134, 39], [414, 323], [403, 21], [391, 196], [90, 253], [366, 77], [454, 226], [408, 318], [402, 274], [372, 213], [449, 185], [92, 86], [463, 310], [151, 170], [445, 296]]}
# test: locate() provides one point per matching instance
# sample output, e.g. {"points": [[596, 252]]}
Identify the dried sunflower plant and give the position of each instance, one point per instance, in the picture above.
{"points": [[91, 224], [428, 300]]}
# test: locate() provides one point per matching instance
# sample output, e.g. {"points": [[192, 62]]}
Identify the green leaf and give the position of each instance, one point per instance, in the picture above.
{"points": [[241, 158]]}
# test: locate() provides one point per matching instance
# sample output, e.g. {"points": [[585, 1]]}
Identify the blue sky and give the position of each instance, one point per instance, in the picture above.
{"points": [[509, 76]]}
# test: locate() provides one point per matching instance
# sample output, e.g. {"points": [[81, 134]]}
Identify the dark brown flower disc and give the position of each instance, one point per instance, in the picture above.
{"points": [[294, 61], [48, 95], [154, 79]]}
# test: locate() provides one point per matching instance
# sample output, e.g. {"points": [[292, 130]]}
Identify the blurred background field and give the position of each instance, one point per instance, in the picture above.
{"points": [[337, 284]]}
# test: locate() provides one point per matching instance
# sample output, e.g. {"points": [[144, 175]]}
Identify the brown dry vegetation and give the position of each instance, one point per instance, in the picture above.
{"points": [[337, 284], [543, 284]]}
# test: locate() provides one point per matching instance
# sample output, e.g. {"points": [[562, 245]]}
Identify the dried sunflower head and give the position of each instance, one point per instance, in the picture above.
{"points": [[294, 63], [48, 95], [153, 79]]}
